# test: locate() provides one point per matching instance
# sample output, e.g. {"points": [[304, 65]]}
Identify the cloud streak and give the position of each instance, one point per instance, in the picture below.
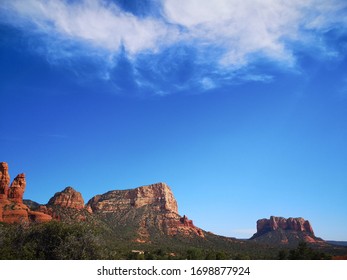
{"points": [[186, 42]]}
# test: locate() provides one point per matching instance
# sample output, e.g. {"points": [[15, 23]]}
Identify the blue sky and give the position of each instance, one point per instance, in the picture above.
{"points": [[240, 106]]}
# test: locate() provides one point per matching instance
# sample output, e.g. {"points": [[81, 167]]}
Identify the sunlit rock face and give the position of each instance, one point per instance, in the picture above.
{"points": [[148, 208], [158, 195]]}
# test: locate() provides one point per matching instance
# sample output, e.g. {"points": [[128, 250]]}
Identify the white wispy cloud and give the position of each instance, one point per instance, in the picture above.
{"points": [[99, 23], [251, 28], [257, 78], [225, 35], [240, 28]]}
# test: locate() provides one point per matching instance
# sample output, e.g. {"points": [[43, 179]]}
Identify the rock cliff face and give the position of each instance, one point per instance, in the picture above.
{"points": [[151, 208], [12, 208], [68, 198], [279, 229], [158, 195]]}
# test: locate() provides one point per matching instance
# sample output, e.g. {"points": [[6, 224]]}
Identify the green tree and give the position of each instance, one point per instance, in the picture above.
{"points": [[194, 254], [304, 252]]}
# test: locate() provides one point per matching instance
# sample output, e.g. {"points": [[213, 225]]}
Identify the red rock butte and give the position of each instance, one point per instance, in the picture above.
{"points": [[12, 208], [274, 223], [285, 231]]}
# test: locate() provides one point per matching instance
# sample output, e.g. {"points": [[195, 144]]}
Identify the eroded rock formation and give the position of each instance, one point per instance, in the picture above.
{"points": [[4, 180], [16, 191], [12, 208]]}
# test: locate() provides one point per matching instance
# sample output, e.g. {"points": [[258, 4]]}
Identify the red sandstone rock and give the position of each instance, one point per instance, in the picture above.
{"points": [[17, 189], [278, 230], [39, 217], [4, 180], [274, 223], [187, 226], [68, 198], [15, 213], [12, 208], [4, 202], [15, 216], [157, 199], [186, 222], [158, 195]]}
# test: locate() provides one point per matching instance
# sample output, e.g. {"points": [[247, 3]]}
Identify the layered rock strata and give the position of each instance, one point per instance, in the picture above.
{"points": [[158, 195]]}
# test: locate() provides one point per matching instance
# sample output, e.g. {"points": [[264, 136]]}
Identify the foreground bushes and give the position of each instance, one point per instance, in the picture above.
{"points": [[52, 241], [303, 252]]}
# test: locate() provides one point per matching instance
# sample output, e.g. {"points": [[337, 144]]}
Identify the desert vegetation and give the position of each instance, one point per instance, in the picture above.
{"points": [[81, 241]]}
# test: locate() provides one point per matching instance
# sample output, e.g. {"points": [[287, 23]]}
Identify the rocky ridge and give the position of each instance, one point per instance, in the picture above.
{"points": [[148, 209]]}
